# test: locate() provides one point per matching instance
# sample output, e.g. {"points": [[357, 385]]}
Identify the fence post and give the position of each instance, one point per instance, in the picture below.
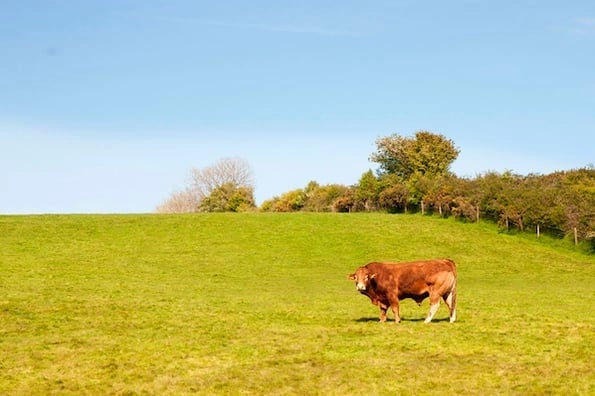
{"points": [[537, 230], [575, 236]]}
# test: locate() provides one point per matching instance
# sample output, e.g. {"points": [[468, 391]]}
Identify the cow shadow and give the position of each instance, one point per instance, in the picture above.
{"points": [[368, 319], [376, 319]]}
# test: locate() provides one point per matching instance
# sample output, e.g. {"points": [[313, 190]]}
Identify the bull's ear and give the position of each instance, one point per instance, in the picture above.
{"points": [[351, 276], [372, 276]]}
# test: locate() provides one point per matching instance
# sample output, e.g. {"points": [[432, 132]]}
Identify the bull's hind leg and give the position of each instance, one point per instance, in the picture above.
{"points": [[451, 300], [434, 305]]}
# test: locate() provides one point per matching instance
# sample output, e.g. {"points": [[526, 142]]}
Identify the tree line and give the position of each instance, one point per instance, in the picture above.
{"points": [[414, 176]]}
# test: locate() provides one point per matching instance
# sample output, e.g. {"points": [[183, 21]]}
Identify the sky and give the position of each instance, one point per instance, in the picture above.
{"points": [[106, 106]]}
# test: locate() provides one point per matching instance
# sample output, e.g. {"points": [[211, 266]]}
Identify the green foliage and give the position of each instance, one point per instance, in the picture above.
{"points": [[414, 176], [291, 201], [368, 191], [321, 198], [229, 198], [557, 203], [259, 303], [394, 196], [418, 162], [313, 198], [426, 154]]}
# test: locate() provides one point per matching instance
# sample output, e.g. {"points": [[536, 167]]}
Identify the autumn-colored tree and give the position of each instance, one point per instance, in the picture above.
{"points": [[346, 202], [291, 201]]}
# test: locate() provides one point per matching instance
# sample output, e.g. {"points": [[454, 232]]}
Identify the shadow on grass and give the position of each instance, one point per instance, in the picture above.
{"points": [[376, 319]]}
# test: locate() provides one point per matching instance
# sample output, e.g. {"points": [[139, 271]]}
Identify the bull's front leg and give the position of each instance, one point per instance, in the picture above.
{"points": [[395, 306], [383, 309]]}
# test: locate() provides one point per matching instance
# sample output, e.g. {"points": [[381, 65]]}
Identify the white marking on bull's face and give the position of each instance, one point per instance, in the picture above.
{"points": [[362, 279], [361, 283]]}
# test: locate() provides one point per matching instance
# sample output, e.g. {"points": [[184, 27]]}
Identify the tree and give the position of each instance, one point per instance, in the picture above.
{"points": [[426, 154], [345, 202], [184, 201], [367, 192], [466, 199], [322, 198], [440, 194], [291, 201], [225, 186], [395, 198], [312, 198], [228, 198], [233, 171]]}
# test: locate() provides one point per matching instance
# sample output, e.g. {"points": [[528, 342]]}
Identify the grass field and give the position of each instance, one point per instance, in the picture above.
{"points": [[261, 304]]}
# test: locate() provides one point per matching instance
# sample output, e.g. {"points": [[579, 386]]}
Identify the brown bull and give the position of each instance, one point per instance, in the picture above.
{"points": [[387, 283]]}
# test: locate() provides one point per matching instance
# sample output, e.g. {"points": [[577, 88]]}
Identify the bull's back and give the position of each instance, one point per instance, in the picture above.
{"points": [[426, 267]]}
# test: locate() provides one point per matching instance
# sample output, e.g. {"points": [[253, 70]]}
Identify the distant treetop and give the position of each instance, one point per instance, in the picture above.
{"points": [[426, 154]]}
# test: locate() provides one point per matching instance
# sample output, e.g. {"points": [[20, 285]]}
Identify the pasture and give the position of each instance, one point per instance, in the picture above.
{"points": [[260, 304]]}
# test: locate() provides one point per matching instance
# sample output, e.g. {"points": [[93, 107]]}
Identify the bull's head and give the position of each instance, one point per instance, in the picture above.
{"points": [[362, 278]]}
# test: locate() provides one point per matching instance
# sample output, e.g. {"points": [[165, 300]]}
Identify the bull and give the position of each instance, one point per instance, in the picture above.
{"points": [[388, 283]]}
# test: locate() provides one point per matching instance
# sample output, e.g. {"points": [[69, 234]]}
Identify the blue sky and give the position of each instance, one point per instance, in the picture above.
{"points": [[105, 106]]}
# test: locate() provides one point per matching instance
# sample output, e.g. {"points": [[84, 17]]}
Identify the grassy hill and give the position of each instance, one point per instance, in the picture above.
{"points": [[261, 304]]}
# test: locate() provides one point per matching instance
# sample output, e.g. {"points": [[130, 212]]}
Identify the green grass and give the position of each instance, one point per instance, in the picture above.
{"points": [[261, 304]]}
